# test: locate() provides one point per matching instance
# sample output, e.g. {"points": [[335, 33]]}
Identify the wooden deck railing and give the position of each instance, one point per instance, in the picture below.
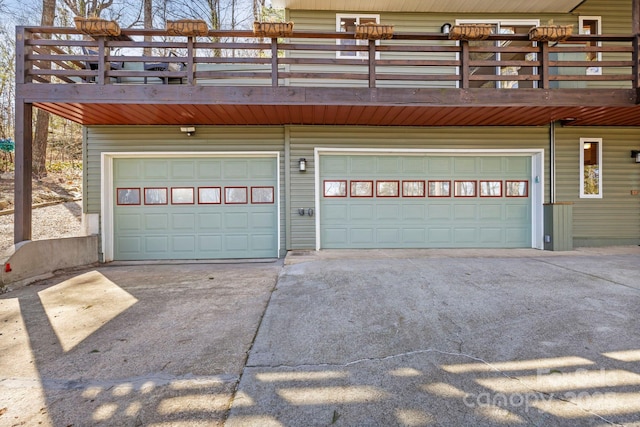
{"points": [[237, 58]]}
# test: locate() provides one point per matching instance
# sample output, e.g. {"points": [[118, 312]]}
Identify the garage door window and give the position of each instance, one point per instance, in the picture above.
{"points": [[439, 188], [517, 188], [128, 196], [335, 188], [235, 195], [412, 188], [182, 196], [387, 188], [490, 188], [155, 196], [361, 188], [261, 195], [209, 195], [464, 189]]}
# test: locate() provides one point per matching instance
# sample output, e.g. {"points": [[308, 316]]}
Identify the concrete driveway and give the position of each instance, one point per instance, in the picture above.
{"points": [[366, 338]]}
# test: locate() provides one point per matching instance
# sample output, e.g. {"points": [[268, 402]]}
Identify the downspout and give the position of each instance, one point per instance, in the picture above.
{"points": [[552, 162]]}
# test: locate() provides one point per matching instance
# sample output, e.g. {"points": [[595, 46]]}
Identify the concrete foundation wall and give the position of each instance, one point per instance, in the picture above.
{"points": [[34, 260]]}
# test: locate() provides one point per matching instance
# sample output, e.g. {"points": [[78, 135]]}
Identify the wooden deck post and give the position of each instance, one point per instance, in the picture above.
{"points": [[23, 171], [465, 70], [24, 144], [372, 63], [101, 62], [544, 65], [274, 62], [191, 80]]}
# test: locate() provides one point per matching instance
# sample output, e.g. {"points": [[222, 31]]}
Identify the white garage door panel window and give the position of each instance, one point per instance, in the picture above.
{"points": [[425, 201], [195, 208]]}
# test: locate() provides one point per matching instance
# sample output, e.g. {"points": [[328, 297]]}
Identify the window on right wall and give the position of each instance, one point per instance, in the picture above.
{"points": [[591, 168]]}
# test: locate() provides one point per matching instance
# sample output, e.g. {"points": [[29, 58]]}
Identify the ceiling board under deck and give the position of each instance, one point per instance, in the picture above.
{"points": [[247, 115]]}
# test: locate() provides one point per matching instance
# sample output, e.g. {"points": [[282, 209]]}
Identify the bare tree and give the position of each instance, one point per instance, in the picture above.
{"points": [[88, 7], [258, 6], [42, 117], [7, 83]]}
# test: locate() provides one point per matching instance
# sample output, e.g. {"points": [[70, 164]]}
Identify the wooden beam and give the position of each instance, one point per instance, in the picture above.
{"points": [[23, 171], [91, 96]]}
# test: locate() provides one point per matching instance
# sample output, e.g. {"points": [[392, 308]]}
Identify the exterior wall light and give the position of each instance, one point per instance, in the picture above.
{"points": [[189, 130], [446, 28], [302, 164], [636, 155]]}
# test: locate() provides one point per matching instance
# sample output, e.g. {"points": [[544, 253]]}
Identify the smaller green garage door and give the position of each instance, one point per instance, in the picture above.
{"points": [[195, 208], [425, 201]]}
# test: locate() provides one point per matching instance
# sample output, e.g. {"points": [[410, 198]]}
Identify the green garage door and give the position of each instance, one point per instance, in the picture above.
{"points": [[195, 208], [425, 201]]}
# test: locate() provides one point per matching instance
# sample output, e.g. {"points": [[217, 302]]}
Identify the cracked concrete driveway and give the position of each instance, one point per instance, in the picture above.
{"points": [[472, 341], [362, 338]]}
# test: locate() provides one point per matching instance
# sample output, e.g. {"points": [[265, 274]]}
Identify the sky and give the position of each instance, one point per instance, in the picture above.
{"points": [[27, 12]]}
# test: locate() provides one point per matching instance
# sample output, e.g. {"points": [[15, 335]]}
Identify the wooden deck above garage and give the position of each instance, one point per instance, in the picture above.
{"points": [[413, 79]]}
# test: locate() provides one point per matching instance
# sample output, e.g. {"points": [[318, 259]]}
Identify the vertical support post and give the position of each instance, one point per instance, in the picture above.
{"points": [[23, 171], [544, 65], [464, 64], [22, 51], [101, 60], [191, 67], [372, 63], [636, 63], [274, 62]]}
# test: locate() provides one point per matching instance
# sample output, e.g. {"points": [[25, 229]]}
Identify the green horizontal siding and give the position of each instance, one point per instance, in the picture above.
{"points": [[616, 19], [304, 139], [616, 216], [123, 139]]}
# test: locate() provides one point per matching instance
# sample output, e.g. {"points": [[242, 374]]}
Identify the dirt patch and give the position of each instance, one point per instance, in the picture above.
{"points": [[58, 186]]}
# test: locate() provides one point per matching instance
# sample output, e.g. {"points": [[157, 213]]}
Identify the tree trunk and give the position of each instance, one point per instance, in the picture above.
{"points": [[42, 117], [148, 23], [258, 5]]}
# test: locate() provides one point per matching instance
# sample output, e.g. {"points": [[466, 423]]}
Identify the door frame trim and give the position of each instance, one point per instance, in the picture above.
{"points": [[536, 187], [106, 184]]}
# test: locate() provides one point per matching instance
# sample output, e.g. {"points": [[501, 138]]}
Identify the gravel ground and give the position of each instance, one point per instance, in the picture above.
{"points": [[61, 220]]}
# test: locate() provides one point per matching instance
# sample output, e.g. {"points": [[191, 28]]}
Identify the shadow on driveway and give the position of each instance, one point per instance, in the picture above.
{"points": [[362, 339], [134, 345]]}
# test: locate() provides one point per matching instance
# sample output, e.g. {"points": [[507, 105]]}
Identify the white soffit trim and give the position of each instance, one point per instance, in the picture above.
{"points": [[434, 6]]}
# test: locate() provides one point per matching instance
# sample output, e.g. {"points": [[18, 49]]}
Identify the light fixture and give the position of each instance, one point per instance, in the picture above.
{"points": [[302, 164], [189, 130], [446, 28], [567, 121], [636, 155]]}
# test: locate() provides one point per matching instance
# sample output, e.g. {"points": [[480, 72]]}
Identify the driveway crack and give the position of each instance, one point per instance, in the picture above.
{"points": [[253, 341], [595, 276]]}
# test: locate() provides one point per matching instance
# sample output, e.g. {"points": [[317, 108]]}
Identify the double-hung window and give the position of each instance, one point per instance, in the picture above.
{"points": [[346, 23]]}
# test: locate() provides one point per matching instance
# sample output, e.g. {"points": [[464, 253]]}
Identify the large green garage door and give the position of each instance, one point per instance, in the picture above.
{"points": [[195, 208], [425, 201]]}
